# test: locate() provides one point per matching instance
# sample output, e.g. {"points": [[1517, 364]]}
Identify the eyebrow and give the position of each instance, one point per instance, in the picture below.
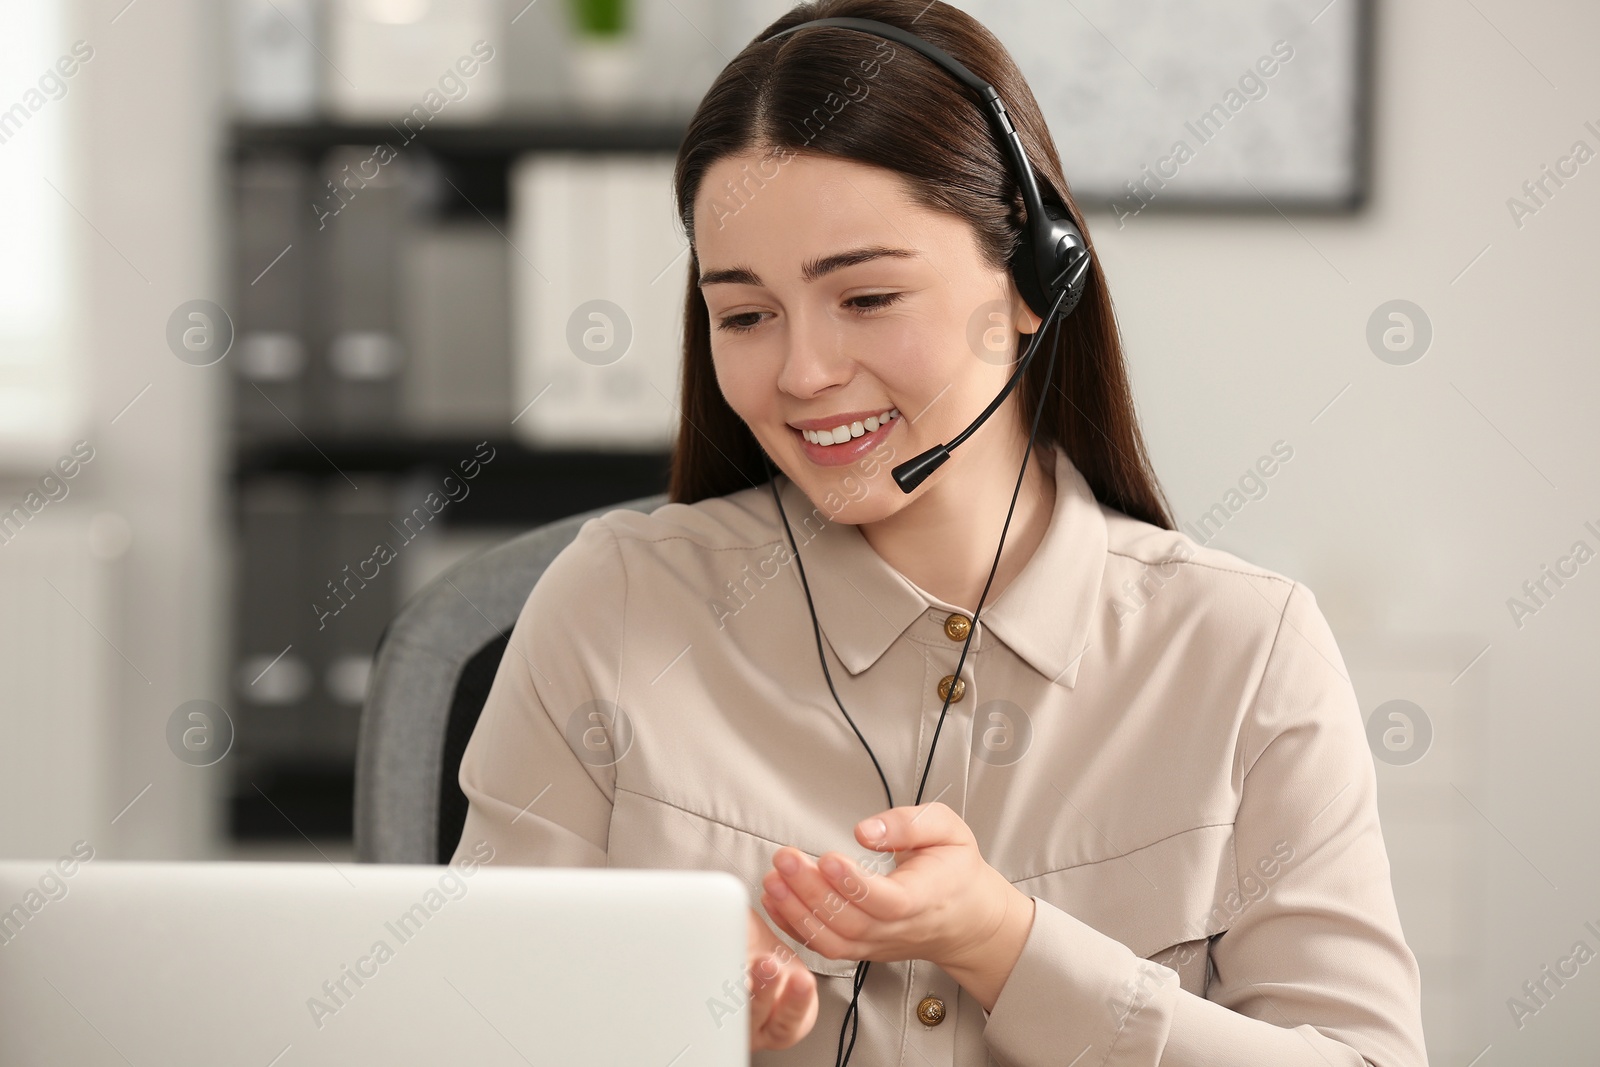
{"points": [[812, 270]]}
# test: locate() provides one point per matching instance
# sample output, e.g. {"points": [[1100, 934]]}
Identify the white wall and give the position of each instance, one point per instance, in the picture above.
{"points": [[146, 187], [1426, 494]]}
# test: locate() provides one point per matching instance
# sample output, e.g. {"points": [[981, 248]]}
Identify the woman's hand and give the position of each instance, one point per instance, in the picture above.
{"points": [[783, 991], [942, 902]]}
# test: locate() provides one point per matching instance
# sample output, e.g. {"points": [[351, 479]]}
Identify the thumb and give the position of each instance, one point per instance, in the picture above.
{"points": [[908, 827]]}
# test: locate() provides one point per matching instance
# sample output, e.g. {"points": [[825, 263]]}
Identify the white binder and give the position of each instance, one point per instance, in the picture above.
{"points": [[596, 313]]}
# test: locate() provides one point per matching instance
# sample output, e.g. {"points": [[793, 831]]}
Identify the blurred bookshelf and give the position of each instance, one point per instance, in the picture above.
{"points": [[415, 297], [501, 137]]}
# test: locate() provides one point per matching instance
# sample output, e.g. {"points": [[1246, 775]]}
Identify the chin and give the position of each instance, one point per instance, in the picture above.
{"points": [[851, 498]]}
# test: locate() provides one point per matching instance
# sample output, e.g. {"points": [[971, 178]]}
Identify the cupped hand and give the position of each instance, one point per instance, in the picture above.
{"points": [[942, 902], [783, 991]]}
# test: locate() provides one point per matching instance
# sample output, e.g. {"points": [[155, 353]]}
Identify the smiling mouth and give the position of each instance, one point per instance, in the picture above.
{"points": [[847, 432]]}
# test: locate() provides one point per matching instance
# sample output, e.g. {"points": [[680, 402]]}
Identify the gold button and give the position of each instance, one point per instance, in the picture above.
{"points": [[957, 626], [931, 1011], [944, 688]]}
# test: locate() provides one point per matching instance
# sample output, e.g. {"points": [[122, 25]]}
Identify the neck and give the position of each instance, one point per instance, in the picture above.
{"points": [[944, 542]]}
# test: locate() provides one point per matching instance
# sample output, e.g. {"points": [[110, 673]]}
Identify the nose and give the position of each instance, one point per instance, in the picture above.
{"points": [[814, 356]]}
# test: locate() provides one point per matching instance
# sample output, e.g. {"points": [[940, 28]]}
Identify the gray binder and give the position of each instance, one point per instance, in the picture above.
{"points": [[455, 309], [274, 678], [363, 222], [272, 258], [357, 585]]}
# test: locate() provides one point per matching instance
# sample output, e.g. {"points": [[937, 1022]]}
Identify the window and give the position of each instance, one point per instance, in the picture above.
{"points": [[40, 389]]}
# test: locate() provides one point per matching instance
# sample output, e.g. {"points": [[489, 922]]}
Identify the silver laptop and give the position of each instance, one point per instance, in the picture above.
{"points": [[294, 964]]}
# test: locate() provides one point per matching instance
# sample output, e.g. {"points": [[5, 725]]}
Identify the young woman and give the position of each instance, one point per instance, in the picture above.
{"points": [[1102, 798]]}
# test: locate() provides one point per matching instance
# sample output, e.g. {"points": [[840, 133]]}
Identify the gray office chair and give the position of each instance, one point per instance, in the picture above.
{"points": [[435, 662]]}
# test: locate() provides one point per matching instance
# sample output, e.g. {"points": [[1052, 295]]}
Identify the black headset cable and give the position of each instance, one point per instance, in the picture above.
{"points": [[851, 1019]]}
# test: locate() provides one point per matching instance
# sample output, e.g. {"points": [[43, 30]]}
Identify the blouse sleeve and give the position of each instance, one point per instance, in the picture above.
{"points": [[536, 773], [1314, 973]]}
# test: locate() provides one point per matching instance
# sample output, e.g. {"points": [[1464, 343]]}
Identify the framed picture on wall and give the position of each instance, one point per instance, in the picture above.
{"points": [[1209, 105]]}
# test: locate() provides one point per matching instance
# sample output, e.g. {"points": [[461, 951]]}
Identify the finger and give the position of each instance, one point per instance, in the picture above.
{"points": [[762, 995], [816, 893], [794, 1010], [913, 826], [806, 927], [781, 922], [766, 959], [765, 970], [796, 919], [873, 895], [769, 960], [770, 904]]}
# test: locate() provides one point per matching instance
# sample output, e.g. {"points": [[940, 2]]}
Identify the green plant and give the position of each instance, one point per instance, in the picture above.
{"points": [[600, 18]]}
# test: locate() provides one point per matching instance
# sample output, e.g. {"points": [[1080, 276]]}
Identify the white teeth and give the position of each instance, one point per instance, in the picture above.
{"points": [[842, 433]]}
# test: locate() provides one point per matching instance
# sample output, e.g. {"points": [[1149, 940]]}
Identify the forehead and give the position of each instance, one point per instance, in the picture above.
{"points": [[755, 205]]}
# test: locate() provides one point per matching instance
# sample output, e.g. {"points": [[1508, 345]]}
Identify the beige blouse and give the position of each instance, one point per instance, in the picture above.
{"points": [[1157, 741]]}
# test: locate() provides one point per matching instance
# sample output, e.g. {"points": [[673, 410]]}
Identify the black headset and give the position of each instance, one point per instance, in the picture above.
{"points": [[1051, 262], [1050, 266]]}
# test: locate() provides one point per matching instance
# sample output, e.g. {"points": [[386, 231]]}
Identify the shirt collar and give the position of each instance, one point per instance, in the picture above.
{"points": [[864, 605]]}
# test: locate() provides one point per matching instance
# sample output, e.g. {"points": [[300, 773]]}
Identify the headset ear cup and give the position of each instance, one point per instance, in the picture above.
{"points": [[1037, 281], [1075, 288]]}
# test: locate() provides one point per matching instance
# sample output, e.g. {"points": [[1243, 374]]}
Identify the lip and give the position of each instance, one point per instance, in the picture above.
{"points": [[844, 454]]}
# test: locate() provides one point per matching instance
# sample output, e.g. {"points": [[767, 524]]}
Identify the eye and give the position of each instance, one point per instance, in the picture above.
{"points": [[749, 320], [880, 300], [732, 323]]}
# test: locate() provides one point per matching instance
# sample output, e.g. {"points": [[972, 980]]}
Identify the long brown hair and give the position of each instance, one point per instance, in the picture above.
{"points": [[920, 122]]}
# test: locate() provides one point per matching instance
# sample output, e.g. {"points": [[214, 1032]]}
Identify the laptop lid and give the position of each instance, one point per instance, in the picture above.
{"points": [[295, 964]]}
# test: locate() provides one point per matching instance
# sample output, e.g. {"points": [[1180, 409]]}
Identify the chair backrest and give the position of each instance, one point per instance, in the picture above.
{"points": [[434, 665]]}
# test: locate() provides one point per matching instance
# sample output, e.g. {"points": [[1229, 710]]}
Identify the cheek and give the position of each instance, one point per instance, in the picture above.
{"points": [[743, 379], [902, 349], [920, 360]]}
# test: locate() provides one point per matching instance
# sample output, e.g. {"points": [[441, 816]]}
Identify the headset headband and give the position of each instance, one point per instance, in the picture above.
{"points": [[1054, 253]]}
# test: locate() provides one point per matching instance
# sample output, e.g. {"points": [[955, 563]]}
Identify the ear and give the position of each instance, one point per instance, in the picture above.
{"points": [[1026, 320]]}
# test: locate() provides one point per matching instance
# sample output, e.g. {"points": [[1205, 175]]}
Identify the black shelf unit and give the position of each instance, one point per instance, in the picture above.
{"points": [[559, 131], [474, 158], [520, 486], [274, 797]]}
